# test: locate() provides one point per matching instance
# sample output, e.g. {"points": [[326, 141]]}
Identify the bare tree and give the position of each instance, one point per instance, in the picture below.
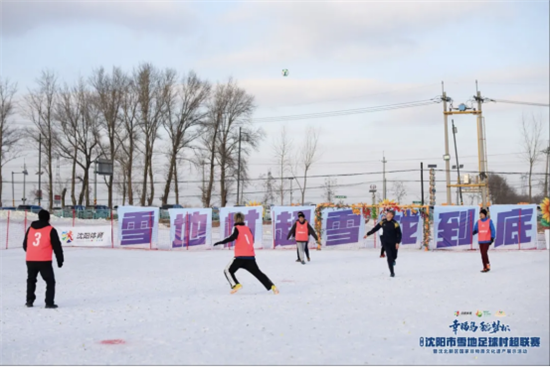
{"points": [[229, 109], [9, 134], [308, 156], [269, 189], [110, 90], [329, 189], [532, 145], [283, 152], [153, 88], [185, 113], [127, 136], [399, 191], [77, 133], [39, 108], [207, 154]]}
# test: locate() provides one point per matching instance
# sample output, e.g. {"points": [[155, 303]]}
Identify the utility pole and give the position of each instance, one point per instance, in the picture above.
{"points": [[25, 173], [239, 170], [39, 169], [422, 182], [12, 190], [523, 184], [95, 182], [457, 165], [203, 178], [384, 161], [446, 157], [481, 149], [290, 190], [373, 192]]}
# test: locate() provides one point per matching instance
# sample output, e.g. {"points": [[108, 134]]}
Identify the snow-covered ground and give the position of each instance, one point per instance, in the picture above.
{"points": [[342, 308]]}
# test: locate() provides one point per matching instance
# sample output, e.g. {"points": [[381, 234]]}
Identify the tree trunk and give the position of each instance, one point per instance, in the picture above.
{"points": [[129, 170], [152, 183], [281, 192], [304, 188], [208, 195], [530, 175], [73, 182], [176, 184], [63, 193], [124, 176], [223, 193], [50, 172], [145, 171], [169, 177]]}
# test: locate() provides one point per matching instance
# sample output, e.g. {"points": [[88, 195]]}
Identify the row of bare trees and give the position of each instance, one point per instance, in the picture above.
{"points": [[295, 162], [149, 123]]}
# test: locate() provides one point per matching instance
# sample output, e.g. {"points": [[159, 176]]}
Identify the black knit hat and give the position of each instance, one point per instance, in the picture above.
{"points": [[44, 215], [483, 211], [301, 214]]}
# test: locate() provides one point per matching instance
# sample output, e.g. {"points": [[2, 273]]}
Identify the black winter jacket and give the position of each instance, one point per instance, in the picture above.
{"points": [[392, 231]]}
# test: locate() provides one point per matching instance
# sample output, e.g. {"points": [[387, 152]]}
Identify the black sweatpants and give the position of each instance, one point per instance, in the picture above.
{"points": [[46, 271], [251, 266], [391, 254]]}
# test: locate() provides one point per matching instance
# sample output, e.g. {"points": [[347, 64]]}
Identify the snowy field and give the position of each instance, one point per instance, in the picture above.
{"points": [[342, 308]]}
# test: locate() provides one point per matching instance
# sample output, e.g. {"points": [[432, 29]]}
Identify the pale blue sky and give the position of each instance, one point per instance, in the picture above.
{"points": [[341, 55]]}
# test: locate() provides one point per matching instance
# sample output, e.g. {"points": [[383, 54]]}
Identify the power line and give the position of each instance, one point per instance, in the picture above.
{"points": [[390, 160], [520, 102], [347, 112]]}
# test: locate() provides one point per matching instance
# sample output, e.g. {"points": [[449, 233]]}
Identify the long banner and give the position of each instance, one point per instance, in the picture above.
{"points": [[453, 226], [516, 226], [190, 227], [283, 217], [341, 227], [138, 226], [83, 236], [411, 227], [253, 219]]}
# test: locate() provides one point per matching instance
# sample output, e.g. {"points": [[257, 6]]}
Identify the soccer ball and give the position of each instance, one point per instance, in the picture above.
{"points": [[285, 72]]}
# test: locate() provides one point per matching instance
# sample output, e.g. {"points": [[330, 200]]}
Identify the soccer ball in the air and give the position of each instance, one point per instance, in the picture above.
{"points": [[285, 72]]}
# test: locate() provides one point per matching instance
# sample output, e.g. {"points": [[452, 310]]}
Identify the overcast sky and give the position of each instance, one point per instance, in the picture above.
{"points": [[340, 55]]}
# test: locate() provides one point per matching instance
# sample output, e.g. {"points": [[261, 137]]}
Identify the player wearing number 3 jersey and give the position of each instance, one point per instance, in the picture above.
{"points": [[244, 256], [40, 241]]}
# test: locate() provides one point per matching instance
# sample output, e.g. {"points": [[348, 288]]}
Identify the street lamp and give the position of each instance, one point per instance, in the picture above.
{"points": [[24, 173]]}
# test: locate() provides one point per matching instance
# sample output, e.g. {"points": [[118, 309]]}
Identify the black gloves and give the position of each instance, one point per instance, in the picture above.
{"points": [[60, 264], [218, 243], [492, 240]]}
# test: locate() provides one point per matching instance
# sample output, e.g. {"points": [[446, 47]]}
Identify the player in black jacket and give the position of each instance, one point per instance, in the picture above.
{"points": [[391, 238]]}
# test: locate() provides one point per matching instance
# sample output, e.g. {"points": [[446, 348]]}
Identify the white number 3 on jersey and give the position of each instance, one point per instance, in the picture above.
{"points": [[37, 237]]}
